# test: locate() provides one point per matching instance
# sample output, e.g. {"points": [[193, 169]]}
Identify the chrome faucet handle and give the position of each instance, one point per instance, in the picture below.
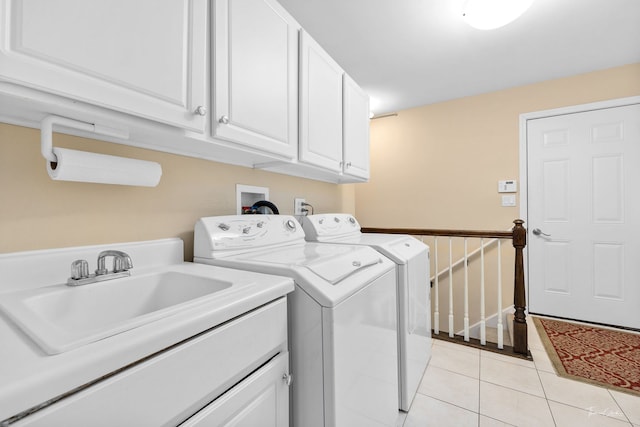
{"points": [[79, 269], [122, 263]]}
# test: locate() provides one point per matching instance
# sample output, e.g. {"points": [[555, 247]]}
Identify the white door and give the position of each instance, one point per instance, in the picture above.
{"points": [[255, 80], [355, 129], [143, 57], [320, 106], [584, 215]]}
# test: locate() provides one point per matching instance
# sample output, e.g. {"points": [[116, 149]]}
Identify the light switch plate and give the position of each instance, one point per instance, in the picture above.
{"points": [[509, 200]]}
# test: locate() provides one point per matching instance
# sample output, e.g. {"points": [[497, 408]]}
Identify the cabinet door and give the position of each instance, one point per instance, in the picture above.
{"points": [[356, 129], [255, 62], [143, 57], [262, 400], [320, 106]]}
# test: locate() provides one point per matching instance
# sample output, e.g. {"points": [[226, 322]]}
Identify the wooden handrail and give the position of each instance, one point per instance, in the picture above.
{"points": [[437, 232], [518, 236]]}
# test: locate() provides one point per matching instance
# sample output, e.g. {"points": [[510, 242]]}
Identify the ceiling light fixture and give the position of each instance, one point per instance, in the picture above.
{"points": [[490, 14]]}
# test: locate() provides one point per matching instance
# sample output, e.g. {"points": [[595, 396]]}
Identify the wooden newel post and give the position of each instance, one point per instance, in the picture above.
{"points": [[519, 298]]}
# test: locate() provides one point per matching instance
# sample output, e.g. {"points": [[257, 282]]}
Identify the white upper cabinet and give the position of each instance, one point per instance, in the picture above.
{"points": [[255, 75], [320, 107], [146, 58], [355, 130]]}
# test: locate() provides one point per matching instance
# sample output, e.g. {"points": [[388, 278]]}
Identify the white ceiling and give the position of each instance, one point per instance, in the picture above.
{"points": [[407, 53]]}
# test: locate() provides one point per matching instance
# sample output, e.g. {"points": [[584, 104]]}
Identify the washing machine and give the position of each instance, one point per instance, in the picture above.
{"points": [[342, 315], [414, 290]]}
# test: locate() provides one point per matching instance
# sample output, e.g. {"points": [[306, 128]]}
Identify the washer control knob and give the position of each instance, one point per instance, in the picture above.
{"points": [[336, 219], [290, 225], [224, 227], [246, 230], [260, 224], [352, 220]]}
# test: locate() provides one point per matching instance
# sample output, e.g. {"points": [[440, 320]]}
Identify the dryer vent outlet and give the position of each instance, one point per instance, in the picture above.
{"points": [[298, 206]]}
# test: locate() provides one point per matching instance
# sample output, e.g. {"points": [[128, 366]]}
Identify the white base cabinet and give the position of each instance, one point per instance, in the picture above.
{"points": [[222, 370]]}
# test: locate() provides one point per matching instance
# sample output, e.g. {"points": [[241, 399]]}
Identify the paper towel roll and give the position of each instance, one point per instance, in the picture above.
{"points": [[82, 166]]}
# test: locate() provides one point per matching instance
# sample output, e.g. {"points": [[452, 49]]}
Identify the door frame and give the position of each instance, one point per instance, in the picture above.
{"points": [[524, 161]]}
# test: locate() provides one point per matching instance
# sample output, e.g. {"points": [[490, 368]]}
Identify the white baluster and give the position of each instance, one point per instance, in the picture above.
{"points": [[499, 327], [483, 326], [451, 331], [436, 302], [466, 292]]}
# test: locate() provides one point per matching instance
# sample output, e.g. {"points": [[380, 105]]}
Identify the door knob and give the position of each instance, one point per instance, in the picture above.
{"points": [[538, 232]]}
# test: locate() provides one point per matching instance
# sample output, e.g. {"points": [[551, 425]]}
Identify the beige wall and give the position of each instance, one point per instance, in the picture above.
{"points": [[438, 166], [38, 213]]}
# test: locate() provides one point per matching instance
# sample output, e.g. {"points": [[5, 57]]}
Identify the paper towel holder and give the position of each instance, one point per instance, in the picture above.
{"points": [[82, 166], [46, 133]]}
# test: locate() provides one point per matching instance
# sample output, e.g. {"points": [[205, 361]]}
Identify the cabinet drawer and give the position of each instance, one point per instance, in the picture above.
{"points": [[166, 389], [260, 400]]}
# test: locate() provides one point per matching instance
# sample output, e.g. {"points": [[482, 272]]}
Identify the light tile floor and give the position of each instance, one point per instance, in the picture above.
{"points": [[464, 386]]}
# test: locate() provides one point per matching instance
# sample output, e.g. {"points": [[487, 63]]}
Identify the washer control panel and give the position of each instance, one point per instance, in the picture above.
{"points": [[234, 232]]}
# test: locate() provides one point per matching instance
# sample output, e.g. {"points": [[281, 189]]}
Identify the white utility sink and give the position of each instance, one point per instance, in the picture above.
{"points": [[60, 317]]}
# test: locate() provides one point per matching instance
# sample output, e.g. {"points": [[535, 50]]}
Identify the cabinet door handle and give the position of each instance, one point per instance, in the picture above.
{"points": [[224, 120], [348, 164], [201, 110], [287, 378]]}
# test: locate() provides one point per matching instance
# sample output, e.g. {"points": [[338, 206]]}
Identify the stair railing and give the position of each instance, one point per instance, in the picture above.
{"points": [[517, 235]]}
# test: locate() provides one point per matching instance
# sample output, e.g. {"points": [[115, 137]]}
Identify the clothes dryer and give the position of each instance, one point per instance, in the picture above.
{"points": [[342, 315], [414, 292]]}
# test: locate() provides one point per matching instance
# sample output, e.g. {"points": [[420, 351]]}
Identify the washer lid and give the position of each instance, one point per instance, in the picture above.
{"points": [[329, 273], [332, 263]]}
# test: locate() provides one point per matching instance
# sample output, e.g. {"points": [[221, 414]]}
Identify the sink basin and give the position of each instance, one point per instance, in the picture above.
{"points": [[60, 317]]}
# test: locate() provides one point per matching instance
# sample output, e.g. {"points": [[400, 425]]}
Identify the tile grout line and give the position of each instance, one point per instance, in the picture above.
{"points": [[546, 398], [619, 406]]}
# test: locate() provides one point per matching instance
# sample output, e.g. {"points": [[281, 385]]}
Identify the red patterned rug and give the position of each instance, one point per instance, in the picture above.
{"points": [[604, 357]]}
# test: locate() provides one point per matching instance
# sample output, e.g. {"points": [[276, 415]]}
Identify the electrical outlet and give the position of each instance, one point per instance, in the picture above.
{"points": [[297, 206]]}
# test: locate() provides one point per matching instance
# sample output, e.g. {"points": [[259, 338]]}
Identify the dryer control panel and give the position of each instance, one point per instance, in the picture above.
{"points": [[329, 226]]}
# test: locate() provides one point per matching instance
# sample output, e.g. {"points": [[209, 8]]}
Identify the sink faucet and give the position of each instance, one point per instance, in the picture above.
{"points": [[80, 268], [121, 262]]}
